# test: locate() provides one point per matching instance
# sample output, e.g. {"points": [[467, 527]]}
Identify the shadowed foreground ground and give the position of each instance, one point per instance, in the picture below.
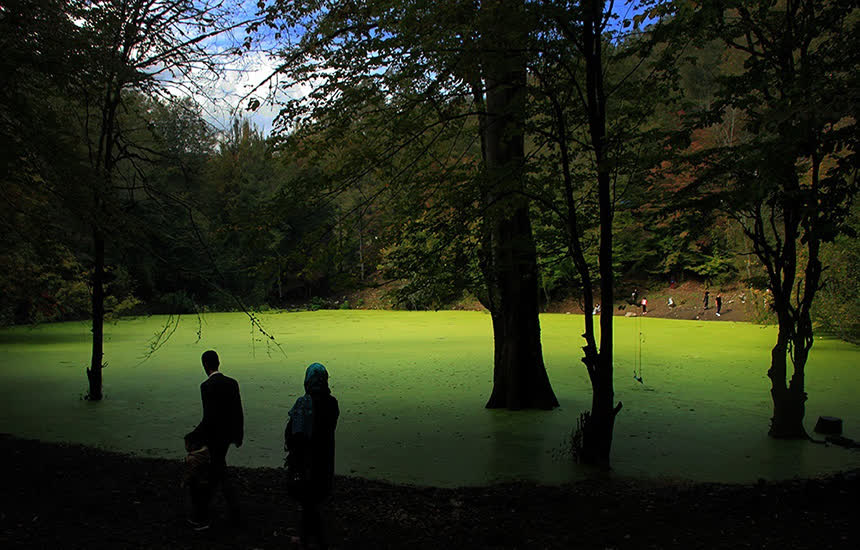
{"points": [[67, 496]]}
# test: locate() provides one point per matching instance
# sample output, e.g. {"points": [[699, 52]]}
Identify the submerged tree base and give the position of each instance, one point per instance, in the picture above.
{"points": [[591, 440], [789, 409], [542, 400], [94, 377]]}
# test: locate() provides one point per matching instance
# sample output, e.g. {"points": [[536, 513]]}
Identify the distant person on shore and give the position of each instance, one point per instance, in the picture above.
{"points": [[644, 306], [719, 301], [634, 297], [222, 424], [705, 299], [671, 302], [596, 310], [309, 442]]}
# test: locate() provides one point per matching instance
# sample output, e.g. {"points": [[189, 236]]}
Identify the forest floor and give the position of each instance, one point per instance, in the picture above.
{"points": [[68, 496]]}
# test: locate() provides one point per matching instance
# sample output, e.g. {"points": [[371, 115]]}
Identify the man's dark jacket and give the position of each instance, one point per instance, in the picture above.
{"points": [[223, 420]]}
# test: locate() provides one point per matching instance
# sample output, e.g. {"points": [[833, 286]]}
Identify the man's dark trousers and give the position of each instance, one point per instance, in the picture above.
{"points": [[219, 477]]}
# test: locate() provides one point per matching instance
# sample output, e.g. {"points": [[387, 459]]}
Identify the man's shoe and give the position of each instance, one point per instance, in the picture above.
{"points": [[198, 525]]}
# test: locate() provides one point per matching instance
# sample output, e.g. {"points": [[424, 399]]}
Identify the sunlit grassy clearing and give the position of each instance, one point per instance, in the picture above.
{"points": [[412, 386]]}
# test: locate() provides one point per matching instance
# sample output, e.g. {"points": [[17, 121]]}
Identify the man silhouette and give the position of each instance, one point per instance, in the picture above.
{"points": [[222, 424]]}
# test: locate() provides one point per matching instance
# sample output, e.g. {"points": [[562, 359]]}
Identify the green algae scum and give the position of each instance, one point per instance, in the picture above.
{"points": [[412, 388]]}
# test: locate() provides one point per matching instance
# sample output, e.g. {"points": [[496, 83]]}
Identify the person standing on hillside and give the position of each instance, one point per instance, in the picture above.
{"points": [[705, 299], [719, 301], [223, 423]]}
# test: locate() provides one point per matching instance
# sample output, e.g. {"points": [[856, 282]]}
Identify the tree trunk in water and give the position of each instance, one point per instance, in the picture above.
{"points": [[94, 372], [789, 408], [510, 264], [597, 436], [789, 401], [519, 376], [599, 424], [795, 326], [598, 430]]}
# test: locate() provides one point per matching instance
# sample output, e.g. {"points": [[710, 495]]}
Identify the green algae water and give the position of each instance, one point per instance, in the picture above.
{"points": [[412, 388]]}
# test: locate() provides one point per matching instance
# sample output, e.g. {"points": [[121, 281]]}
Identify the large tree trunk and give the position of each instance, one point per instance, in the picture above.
{"points": [[519, 375], [94, 372], [510, 264], [795, 327], [789, 401]]}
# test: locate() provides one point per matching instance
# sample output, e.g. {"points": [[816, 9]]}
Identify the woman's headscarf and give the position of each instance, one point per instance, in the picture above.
{"points": [[302, 413]]}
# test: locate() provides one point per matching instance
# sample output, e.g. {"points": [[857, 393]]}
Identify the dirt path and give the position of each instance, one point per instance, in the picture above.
{"points": [[687, 298], [67, 496], [738, 303]]}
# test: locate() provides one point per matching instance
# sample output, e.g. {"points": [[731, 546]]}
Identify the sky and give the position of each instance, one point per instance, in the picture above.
{"points": [[228, 97]]}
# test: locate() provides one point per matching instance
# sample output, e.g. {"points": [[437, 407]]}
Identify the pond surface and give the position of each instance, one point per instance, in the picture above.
{"points": [[412, 388]]}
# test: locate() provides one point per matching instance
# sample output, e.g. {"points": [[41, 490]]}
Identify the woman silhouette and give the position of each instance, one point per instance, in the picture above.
{"points": [[309, 442]]}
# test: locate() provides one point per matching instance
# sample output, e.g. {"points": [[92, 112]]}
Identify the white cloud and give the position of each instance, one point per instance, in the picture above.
{"points": [[252, 76], [228, 97]]}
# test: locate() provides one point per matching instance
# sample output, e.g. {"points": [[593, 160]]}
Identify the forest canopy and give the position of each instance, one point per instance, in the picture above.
{"points": [[377, 196]]}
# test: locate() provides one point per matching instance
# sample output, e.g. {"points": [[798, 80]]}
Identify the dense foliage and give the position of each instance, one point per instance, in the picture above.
{"points": [[236, 218]]}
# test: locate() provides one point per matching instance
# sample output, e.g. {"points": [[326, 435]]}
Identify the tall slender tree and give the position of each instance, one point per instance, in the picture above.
{"points": [[153, 48], [790, 179], [597, 89]]}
